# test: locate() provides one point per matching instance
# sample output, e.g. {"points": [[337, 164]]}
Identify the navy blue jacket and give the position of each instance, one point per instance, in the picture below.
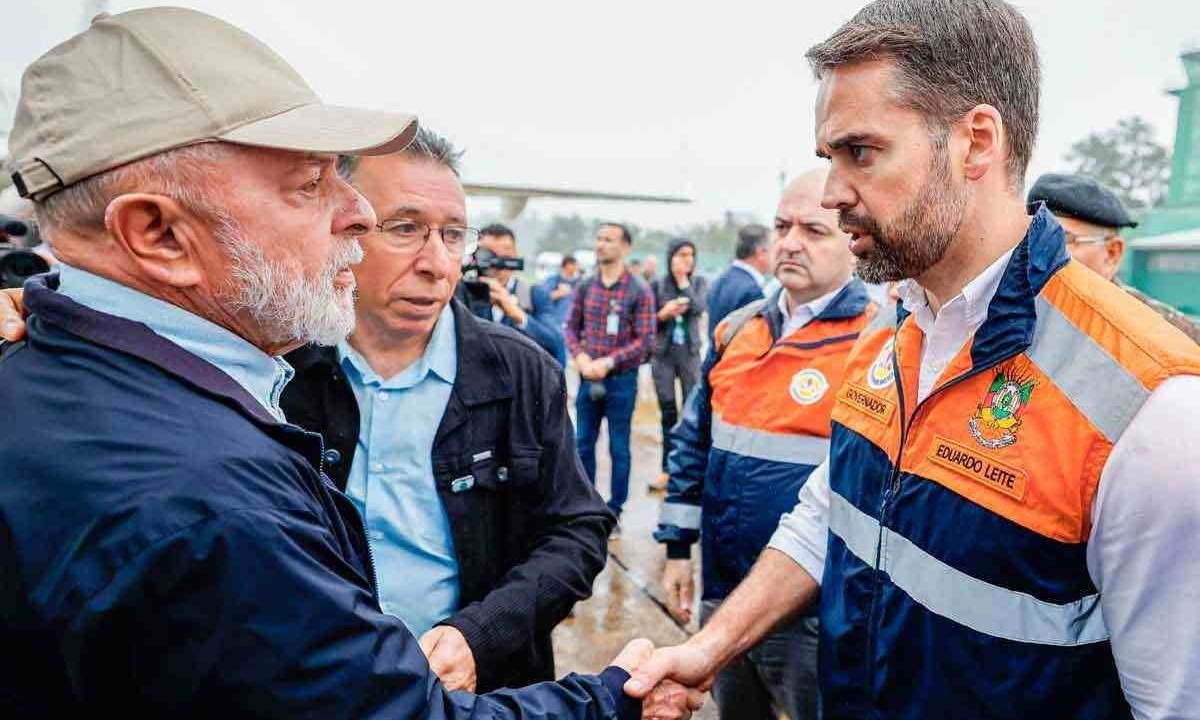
{"points": [[530, 531], [735, 470], [169, 550], [734, 288], [542, 324]]}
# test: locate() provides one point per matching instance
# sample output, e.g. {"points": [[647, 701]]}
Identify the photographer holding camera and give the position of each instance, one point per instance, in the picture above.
{"points": [[512, 300]]}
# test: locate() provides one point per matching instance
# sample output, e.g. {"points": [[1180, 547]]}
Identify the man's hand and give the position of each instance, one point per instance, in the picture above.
{"points": [[687, 664], [603, 367], [776, 588], [503, 299], [587, 369], [560, 292], [595, 370], [680, 587], [450, 657], [12, 324], [668, 701]]}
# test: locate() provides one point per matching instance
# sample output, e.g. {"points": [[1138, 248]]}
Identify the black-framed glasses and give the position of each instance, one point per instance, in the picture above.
{"points": [[411, 235]]}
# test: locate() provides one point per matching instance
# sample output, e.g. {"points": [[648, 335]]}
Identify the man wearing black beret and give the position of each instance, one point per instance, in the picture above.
{"points": [[1092, 217]]}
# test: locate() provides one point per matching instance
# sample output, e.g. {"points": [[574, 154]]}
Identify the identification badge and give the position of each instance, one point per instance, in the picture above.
{"points": [[678, 333], [613, 325]]}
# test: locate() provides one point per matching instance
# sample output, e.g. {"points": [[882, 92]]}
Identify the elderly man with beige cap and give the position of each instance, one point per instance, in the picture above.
{"points": [[170, 547]]}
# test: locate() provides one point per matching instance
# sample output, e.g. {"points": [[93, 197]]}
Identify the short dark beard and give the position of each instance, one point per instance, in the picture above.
{"points": [[916, 240]]}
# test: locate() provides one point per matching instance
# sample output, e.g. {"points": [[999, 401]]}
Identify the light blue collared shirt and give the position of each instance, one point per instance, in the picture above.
{"points": [[392, 482], [260, 374]]}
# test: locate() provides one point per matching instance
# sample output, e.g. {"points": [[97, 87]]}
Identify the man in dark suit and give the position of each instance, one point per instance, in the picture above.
{"points": [[743, 282]]}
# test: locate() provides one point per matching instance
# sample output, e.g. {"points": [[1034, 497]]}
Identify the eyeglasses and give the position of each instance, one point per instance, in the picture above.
{"points": [[410, 236], [1075, 240]]}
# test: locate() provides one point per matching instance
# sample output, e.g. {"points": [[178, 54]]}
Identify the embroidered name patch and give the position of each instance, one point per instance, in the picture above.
{"points": [[980, 467], [865, 401]]}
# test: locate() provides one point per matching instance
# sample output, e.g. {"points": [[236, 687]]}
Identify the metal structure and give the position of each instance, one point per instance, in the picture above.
{"points": [[1164, 252], [514, 198], [1181, 209]]}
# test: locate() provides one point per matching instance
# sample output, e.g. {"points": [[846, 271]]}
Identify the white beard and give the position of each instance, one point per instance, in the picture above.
{"points": [[287, 306]]}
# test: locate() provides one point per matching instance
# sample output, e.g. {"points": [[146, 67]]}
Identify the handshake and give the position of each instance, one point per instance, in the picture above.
{"points": [[670, 681]]}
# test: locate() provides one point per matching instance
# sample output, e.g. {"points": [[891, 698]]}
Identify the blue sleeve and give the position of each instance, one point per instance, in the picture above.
{"points": [[687, 465], [719, 303], [542, 325], [257, 613]]}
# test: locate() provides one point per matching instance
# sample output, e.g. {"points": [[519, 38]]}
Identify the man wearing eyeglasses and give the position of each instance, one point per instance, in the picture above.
{"points": [[451, 435], [1092, 217]]}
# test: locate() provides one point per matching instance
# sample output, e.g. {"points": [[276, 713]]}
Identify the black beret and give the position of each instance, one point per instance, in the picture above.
{"points": [[1082, 198]]}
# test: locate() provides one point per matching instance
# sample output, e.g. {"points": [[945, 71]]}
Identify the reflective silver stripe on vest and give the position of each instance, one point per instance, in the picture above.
{"points": [[957, 596], [684, 517], [780, 447], [1096, 384]]}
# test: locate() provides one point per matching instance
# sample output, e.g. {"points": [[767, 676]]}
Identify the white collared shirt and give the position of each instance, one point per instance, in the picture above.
{"points": [[804, 313], [947, 332], [1145, 519]]}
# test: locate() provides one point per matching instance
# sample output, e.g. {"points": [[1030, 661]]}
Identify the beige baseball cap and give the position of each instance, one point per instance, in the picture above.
{"points": [[146, 81]]}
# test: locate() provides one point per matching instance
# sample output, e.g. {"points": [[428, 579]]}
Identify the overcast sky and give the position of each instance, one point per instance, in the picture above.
{"points": [[708, 100]]}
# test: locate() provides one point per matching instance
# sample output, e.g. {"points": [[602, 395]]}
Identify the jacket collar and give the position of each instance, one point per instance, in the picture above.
{"points": [[483, 375], [137, 340], [750, 271], [851, 302], [1012, 313]]}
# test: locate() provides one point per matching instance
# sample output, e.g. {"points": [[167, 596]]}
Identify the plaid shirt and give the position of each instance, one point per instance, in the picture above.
{"points": [[586, 327]]}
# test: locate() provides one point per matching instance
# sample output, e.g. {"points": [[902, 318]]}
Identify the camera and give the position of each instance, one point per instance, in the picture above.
{"points": [[16, 263], [483, 262], [480, 264]]}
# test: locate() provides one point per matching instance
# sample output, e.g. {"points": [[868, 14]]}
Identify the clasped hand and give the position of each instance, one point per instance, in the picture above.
{"points": [[664, 699]]}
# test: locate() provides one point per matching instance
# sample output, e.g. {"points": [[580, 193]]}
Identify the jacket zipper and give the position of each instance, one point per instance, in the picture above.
{"points": [[362, 523], [893, 487]]}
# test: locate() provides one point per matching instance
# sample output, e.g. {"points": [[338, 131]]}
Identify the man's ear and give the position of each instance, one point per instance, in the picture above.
{"points": [[159, 236], [1114, 250], [985, 136]]}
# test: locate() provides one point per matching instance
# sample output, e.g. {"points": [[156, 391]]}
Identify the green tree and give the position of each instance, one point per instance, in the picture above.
{"points": [[565, 233], [1127, 159]]}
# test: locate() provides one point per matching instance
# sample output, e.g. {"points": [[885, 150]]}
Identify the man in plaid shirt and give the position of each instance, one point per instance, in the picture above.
{"points": [[610, 332]]}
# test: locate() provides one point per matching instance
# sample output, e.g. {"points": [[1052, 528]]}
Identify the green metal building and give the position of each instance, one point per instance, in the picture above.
{"points": [[1163, 260]]}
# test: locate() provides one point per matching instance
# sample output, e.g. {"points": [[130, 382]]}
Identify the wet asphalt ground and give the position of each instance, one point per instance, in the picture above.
{"points": [[627, 600]]}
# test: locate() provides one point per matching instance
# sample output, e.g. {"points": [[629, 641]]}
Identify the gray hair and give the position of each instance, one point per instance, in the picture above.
{"points": [[183, 174], [427, 145], [950, 55]]}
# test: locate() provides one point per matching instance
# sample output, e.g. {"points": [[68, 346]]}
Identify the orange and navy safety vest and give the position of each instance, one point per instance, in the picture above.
{"points": [[956, 583], [754, 430]]}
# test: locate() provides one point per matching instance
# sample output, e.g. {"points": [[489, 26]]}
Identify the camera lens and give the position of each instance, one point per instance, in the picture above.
{"points": [[19, 265]]}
